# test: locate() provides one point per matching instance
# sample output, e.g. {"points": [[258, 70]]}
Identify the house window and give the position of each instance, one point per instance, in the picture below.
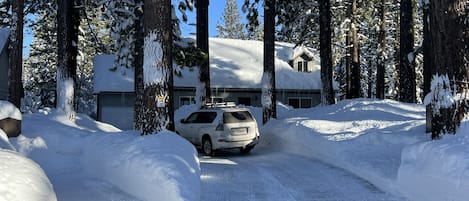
{"points": [[300, 102], [244, 101], [300, 66], [305, 66], [186, 100], [294, 102]]}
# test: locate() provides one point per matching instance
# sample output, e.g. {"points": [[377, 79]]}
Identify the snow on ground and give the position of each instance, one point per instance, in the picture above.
{"points": [[382, 142], [88, 160]]}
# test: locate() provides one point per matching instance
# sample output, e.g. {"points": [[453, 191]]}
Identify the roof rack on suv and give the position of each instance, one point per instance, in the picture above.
{"points": [[219, 105]]}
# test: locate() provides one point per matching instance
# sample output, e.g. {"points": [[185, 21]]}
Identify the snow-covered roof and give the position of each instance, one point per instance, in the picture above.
{"points": [[303, 50], [121, 79], [233, 64], [8, 110], [4, 34]]}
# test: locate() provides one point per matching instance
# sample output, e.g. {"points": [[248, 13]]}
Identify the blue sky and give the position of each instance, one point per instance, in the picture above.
{"points": [[215, 10]]}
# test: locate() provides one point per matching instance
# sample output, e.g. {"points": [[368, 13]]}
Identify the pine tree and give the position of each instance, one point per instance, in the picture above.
{"points": [[67, 37], [449, 48], [354, 70], [203, 90], [231, 26], [40, 66], [269, 109], [298, 22], [380, 89], [158, 112], [16, 54], [407, 91], [327, 94]]}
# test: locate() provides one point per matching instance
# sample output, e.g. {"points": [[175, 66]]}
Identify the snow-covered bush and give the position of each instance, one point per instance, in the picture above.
{"points": [[447, 106]]}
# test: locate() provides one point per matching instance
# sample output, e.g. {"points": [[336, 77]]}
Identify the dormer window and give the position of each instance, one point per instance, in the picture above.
{"points": [[300, 66]]}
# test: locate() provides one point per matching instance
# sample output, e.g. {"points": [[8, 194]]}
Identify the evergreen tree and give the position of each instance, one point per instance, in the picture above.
{"points": [[449, 47], [380, 90], [269, 105], [327, 94], [68, 21], [158, 111], [15, 83], [298, 22], [407, 89], [40, 66], [232, 26], [203, 91]]}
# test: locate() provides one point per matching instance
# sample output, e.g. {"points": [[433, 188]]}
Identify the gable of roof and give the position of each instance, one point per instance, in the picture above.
{"points": [[233, 64]]}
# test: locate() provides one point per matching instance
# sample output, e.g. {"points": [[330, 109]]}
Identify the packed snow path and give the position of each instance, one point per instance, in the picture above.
{"points": [[280, 176]]}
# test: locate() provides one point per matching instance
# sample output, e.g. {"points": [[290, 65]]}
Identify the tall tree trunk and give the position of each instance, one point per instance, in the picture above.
{"points": [[407, 89], [348, 66], [428, 69], [449, 39], [202, 44], [355, 91], [16, 54], [269, 106], [327, 95], [380, 66], [158, 109], [138, 68], [68, 20]]}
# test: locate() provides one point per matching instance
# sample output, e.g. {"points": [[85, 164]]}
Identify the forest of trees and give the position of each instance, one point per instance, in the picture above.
{"points": [[408, 50]]}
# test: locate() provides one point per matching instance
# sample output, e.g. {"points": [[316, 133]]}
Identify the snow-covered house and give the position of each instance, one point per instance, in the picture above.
{"points": [[4, 63], [304, 60], [236, 68]]}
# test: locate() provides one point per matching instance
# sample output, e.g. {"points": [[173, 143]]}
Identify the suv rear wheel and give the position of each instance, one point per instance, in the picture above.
{"points": [[207, 146], [246, 150]]}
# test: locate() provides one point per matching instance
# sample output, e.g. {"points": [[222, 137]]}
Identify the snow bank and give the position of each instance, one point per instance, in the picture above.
{"points": [[8, 110], [362, 136], [4, 142], [154, 167], [437, 170], [22, 179]]}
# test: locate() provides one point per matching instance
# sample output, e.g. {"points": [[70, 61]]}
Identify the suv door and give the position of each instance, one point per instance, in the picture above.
{"points": [[193, 125]]}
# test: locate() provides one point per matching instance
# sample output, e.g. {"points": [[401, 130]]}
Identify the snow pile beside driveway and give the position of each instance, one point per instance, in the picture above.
{"points": [[369, 138], [21, 178], [437, 170], [108, 162], [153, 167]]}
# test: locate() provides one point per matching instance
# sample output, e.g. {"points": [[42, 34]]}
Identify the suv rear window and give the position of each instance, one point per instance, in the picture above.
{"points": [[237, 117]]}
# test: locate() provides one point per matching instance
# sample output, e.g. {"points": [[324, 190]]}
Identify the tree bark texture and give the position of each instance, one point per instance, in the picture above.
{"points": [[202, 44], [327, 95], [449, 36], [269, 110], [138, 69], [380, 66], [68, 20], [355, 89], [407, 79], [15, 83], [158, 112]]}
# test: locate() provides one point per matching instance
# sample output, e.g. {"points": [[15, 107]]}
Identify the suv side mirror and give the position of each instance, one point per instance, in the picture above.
{"points": [[183, 121]]}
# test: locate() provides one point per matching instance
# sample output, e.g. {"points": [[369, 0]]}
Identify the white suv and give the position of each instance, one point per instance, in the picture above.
{"points": [[214, 128]]}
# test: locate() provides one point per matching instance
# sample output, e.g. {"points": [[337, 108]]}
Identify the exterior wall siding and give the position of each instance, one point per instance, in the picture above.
{"points": [[117, 108]]}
